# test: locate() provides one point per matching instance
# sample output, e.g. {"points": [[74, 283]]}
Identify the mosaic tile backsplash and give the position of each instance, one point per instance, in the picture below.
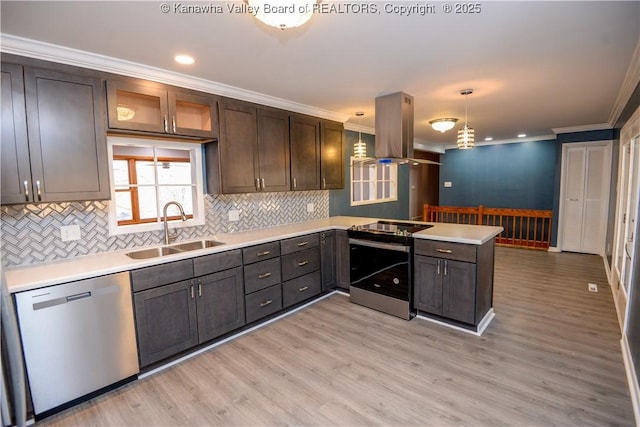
{"points": [[31, 233]]}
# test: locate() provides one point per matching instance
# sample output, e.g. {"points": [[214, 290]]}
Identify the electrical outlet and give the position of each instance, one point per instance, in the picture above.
{"points": [[448, 184], [234, 215], [69, 233], [593, 287], [311, 207]]}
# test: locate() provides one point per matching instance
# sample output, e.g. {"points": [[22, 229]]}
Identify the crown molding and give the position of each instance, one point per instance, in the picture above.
{"points": [[583, 128], [359, 128], [55, 53], [629, 84]]}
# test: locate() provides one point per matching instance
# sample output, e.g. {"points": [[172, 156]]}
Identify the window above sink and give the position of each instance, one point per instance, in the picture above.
{"points": [[145, 174]]}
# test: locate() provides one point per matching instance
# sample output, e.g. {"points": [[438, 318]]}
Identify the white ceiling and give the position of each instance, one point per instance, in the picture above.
{"points": [[533, 65]]}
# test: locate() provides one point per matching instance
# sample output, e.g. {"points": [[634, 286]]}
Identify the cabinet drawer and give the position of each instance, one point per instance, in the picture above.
{"points": [[299, 243], [261, 275], [448, 250], [263, 303], [217, 262], [300, 263], [260, 252], [158, 275], [301, 288]]}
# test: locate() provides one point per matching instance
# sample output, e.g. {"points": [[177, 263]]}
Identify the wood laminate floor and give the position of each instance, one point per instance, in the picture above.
{"points": [[550, 357]]}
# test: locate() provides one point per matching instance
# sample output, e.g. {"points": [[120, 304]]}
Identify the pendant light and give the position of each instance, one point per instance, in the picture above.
{"points": [[359, 148], [443, 125], [466, 134], [282, 14]]}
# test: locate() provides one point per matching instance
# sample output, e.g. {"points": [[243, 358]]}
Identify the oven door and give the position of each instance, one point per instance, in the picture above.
{"points": [[383, 268]]}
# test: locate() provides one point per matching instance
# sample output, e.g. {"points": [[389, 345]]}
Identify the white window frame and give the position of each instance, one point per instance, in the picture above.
{"points": [[197, 180], [373, 182]]}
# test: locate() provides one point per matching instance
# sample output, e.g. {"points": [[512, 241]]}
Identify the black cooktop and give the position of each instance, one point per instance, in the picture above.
{"points": [[387, 230]]}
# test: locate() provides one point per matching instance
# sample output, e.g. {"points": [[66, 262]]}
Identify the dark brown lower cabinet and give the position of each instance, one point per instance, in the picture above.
{"points": [[445, 288], [342, 259], [454, 281], [264, 302], [301, 288], [173, 314], [166, 321], [220, 303], [328, 260]]}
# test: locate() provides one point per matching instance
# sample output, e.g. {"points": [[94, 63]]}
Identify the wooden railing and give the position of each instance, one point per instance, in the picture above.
{"points": [[523, 228]]}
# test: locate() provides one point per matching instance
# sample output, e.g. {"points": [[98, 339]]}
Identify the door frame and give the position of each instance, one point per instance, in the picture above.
{"points": [[563, 181]]}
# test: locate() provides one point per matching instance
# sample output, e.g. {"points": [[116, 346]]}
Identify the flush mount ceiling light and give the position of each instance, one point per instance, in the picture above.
{"points": [[184, 59], [359, 148], [465, 135], [125, 113], [443, 125], [282, 14]]}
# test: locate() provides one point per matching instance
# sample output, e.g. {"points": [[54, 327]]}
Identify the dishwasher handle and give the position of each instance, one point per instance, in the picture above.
{"points": [[76, 297]]}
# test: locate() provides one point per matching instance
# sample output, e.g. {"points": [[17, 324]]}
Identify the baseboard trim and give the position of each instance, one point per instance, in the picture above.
{"points": [[554, 249], [482, 326], [607, 268], [632, 380]]}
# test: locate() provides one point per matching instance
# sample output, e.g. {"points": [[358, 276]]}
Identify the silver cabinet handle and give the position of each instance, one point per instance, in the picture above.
{"points": [[26, 191], [258, 184], [263, 253], [446, 265], [173, 124], [324, 183], [265, 303], [295, 184], [166, 124], [264, 276], [303, 263], [303, 244], [302, 289], [192, 291], [200, 288], [444, 251], [262, 182], [438, 271], [38, 190]]}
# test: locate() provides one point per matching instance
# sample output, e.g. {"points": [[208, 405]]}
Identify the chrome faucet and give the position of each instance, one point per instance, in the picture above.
{"points": [[168, 237]]}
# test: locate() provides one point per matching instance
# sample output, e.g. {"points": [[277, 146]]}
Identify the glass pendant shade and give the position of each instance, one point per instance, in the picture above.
{"points": [[465, 138], [283, 14], [443, 125], [359, 149]]}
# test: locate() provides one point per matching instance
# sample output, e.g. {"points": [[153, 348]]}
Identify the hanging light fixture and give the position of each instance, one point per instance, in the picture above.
{"points": [[443, 125], [282, 14], [359, 148], [466, 134]]}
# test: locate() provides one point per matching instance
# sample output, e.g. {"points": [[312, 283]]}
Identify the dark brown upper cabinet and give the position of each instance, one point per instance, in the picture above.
{"points": [[332, 155], [64, 157], [155, 108], [253, 149], [305, 152]]}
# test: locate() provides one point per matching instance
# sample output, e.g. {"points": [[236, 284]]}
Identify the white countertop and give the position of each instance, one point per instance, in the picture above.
{"points": [[51, 273]]}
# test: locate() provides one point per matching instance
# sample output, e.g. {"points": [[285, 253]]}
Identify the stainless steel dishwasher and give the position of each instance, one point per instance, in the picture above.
{"points": [[78, 338]]}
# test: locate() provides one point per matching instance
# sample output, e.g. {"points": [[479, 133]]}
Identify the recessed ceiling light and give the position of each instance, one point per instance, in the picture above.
{"points": [[522, 135], [184, 59], [488, 138]]}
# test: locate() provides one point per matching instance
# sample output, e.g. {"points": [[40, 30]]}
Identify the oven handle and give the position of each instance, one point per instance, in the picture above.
{"points": [[378, 245]]}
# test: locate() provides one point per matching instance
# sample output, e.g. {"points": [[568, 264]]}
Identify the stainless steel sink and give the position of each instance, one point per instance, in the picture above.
{"points": [[173, 249]]}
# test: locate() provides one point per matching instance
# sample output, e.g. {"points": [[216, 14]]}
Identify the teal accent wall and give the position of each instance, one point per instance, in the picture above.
{"points": [[340, 200], [518, 176]]}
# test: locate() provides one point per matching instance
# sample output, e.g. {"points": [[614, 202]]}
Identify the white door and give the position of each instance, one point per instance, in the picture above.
{"points": [[586, 173], [631, 214]]}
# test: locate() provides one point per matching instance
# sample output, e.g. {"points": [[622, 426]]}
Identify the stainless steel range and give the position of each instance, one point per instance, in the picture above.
{"points": [[381, 258]]}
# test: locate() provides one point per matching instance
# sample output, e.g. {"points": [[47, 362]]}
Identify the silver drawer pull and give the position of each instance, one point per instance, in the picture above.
{"points": [[302, 289], [303, 263], [375, 285], [263, 253], [264, 276], [265, 303], [303, 244], [444, 251]]}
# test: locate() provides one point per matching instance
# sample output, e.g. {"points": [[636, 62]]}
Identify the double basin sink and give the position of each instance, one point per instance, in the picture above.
{"points": [[173, 249]]}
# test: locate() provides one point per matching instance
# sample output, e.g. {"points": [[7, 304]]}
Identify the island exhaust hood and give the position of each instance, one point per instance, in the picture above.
{"points": [[394, 130]]}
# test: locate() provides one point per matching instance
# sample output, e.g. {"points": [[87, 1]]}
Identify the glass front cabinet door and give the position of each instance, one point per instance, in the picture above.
{"points": [[153, 109]]}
